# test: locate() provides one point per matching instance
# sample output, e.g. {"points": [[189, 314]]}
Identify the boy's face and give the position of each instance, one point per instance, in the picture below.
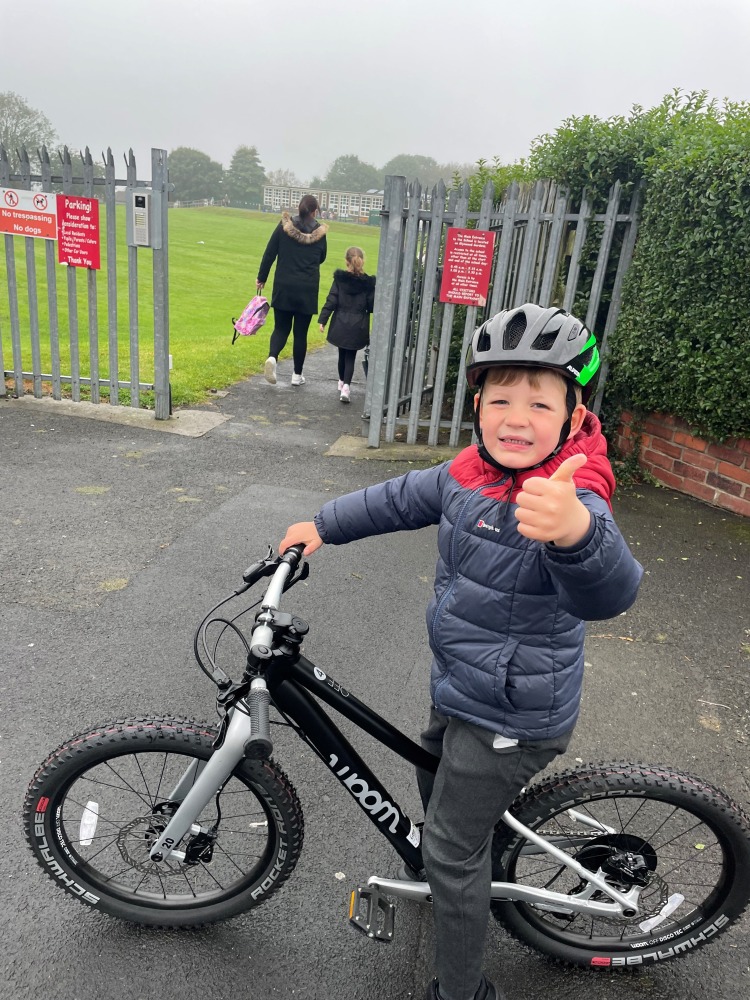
{"points": [[521, 423]]}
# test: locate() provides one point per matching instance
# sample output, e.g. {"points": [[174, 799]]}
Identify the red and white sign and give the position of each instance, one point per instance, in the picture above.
{"points": [[78, 231], [28, 213], [467, 266]]}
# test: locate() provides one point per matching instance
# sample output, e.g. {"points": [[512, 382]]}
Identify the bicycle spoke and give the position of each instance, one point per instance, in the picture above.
{"points": [[124, 827]]}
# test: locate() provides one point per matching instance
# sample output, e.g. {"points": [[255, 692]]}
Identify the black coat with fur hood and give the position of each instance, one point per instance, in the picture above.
{"points": [[351, 301], [300, 246]]}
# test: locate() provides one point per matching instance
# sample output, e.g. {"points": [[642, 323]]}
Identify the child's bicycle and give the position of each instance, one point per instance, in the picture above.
{"points": [[171, 822]]}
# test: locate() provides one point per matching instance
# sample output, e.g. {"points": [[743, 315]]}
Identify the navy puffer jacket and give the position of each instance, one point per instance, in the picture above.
{"points": [[506, 620]]}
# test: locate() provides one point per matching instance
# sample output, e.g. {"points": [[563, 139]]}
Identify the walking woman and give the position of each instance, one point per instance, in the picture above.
{"points": [[350, 302], [298, 245]]}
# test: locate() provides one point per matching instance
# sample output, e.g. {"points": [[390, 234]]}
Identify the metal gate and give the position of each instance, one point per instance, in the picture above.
{"points": [[537, 258], [54, 331]]}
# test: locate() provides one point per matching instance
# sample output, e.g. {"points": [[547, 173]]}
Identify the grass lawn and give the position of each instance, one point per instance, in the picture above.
{"points": [[214, 255]]}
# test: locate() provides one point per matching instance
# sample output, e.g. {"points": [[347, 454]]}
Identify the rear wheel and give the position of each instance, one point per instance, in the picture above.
{"points": [[96, 806], [683, 844]]}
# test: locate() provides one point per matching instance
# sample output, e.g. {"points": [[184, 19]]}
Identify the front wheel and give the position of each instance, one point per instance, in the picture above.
{"points": [[96, 806], [684, 845]]}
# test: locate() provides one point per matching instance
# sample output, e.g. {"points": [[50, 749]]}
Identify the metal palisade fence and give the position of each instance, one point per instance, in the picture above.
{"points": [[63, 328], [416, 390]]}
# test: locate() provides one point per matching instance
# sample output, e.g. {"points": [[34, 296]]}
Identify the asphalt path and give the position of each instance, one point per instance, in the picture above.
{"points": [[116, 539]]}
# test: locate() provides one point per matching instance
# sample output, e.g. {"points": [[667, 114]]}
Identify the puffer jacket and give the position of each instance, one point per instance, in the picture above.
{"points": [[301, 247], [506, 621], [350, 301]]}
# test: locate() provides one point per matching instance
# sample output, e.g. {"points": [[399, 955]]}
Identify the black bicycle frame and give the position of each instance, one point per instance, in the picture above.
{"points": [[289, 682]]}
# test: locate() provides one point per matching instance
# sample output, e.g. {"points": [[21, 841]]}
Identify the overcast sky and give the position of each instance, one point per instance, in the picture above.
{"points": [[309, 80]]}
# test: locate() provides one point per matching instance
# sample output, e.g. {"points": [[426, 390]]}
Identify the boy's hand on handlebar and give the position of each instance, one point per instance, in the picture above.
{"points": [[304, 533], [549, 510]]}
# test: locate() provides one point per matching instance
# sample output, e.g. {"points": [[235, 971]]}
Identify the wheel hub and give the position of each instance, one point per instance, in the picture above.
{"points": [[136, 839], [627, 862]]}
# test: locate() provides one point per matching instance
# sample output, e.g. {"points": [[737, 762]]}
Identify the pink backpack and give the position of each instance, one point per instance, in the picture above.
{"points": [[252, 319]]}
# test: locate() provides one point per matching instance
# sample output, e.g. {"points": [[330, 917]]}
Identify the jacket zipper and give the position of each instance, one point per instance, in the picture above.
{"points": [[451, 583]]}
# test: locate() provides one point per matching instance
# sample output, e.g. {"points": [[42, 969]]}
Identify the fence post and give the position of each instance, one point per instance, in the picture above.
{"points": [[434, 241], [385, 301], [135, 368], [574, 268], [10, 266], [552, 262], [160, 188], [597, 284], [462, 211], [50, 252], [3, 390], [408, 264], [109, 207], [510, 207], [483, 222], [626, 255]]}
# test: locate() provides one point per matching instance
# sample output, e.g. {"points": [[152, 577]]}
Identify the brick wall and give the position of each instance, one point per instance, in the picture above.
{"points": [[716, 473]]}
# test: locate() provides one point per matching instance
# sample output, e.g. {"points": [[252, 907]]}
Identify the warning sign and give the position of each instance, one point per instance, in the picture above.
{"points": [[467, 266], [78, 231], [28, 213]]}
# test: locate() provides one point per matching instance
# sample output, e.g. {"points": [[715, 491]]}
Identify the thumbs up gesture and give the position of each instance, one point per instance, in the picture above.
{"points": [[549, 510]]}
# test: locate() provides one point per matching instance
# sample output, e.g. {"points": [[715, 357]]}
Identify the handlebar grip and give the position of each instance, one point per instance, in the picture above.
{"points": [[259, 746], [293, 555]]}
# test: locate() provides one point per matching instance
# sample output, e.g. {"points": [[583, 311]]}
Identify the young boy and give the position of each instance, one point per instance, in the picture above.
{"points": [[527, 549]]}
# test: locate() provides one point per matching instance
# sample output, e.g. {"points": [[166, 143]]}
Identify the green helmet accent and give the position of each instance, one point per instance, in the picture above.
{"points": [[590, 367]]}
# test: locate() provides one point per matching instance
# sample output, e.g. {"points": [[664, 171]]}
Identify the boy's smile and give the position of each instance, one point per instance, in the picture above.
{"points": [[521, 423]]}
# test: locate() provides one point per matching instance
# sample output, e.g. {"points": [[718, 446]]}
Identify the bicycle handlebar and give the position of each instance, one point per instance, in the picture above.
{"points": [[262, 640], [259, 745]]}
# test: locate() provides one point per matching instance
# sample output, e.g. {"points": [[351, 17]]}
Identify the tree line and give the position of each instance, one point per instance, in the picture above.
{"points": [[196, 176]]}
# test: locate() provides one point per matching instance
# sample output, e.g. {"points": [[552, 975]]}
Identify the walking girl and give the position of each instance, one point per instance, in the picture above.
{"points": [[299, 243], [350, 302]]}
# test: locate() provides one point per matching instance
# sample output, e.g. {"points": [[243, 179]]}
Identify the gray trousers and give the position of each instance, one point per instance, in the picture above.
{"points": [[473, 787]]}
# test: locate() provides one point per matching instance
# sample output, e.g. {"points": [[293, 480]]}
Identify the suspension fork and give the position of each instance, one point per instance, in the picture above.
{"points": [[204, 779]]}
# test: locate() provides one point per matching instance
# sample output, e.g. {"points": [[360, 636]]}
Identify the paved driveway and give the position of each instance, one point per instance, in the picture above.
{"points": [[116, 539]]}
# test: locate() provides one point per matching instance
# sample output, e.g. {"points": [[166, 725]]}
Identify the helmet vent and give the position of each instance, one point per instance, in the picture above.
{"points": [[484, 341], [585, 358], [545, 341], [514, 331]]}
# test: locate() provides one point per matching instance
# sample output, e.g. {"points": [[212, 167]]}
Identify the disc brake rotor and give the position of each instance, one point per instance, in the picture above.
{"points": [[135, 841]]}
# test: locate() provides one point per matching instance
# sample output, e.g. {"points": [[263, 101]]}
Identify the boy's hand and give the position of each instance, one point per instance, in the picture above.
{"points": [[304, 533], [549, 510], [321, 327]]}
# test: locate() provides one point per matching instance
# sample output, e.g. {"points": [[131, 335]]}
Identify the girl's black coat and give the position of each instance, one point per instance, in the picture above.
{"points": [[300, 247], [351, 301]]}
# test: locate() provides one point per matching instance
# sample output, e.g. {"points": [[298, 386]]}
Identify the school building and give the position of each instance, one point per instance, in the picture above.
{"points": [[340, 204]]}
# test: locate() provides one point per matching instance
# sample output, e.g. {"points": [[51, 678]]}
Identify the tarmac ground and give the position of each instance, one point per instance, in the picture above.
{"points": [[118, 534]]}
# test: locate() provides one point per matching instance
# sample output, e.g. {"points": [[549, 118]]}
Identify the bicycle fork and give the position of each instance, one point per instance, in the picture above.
{"points": [[247, 735]]}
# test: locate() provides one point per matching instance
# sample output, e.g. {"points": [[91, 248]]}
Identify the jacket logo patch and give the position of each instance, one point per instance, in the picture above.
{"points": [[481, 523]]}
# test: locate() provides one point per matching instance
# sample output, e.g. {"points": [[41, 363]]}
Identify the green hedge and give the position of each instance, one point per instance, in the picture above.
{"points": [[683, 338], [680, 346], [682, 343]]}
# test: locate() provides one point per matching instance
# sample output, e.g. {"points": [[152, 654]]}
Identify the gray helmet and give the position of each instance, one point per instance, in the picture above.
{"points": [[533, 337]]}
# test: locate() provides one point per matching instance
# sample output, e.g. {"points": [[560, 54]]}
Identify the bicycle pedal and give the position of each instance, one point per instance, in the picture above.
{"points": [[372, 913]]}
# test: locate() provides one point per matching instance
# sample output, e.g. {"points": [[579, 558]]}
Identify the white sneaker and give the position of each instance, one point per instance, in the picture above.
{"points": [[269, 371], [298, 379], [344, 394], [341, 385]]}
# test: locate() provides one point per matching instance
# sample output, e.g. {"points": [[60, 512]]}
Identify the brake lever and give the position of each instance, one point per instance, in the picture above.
{"points": [[265, 567], [302, 573]]}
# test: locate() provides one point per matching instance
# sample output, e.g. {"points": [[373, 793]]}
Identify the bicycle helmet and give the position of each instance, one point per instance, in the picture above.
{"points": [[533, 337]]}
